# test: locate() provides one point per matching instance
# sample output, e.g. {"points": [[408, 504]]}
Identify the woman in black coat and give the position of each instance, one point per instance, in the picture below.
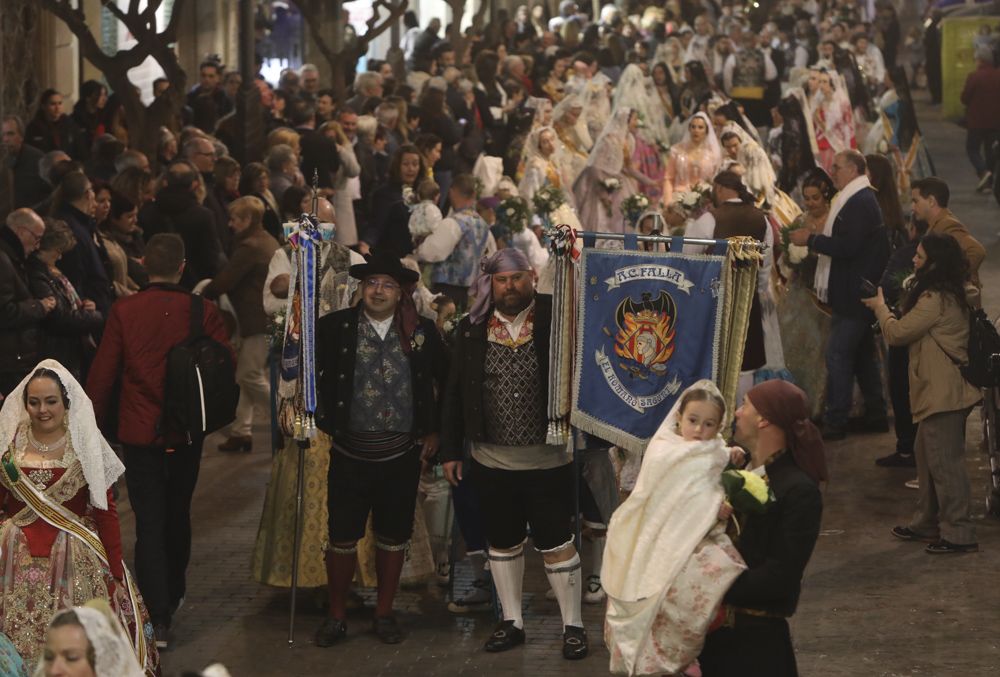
{"points": [[389, 232], [68, 331]]}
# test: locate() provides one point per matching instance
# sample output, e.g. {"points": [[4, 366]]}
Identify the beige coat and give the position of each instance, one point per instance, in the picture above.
{"points": [[947, 224], [935, 328]]}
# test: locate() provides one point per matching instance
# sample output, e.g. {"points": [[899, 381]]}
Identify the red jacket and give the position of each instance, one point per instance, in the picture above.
{"points": [[140, 331], [981, 97]]}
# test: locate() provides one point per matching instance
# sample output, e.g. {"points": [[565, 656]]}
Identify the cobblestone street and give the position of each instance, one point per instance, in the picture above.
{"points": [[870, 605]]}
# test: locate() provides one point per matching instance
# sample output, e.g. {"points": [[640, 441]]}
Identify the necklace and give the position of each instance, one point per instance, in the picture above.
{"points": [[45, 448]]}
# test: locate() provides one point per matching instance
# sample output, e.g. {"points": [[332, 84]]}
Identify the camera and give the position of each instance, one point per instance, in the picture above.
{"points": [[868, 290]]}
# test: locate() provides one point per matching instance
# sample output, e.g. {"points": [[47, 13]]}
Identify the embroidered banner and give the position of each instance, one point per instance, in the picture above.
{"points": [[648, 326]]}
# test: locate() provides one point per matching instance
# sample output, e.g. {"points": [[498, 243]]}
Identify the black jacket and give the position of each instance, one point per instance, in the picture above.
{"points": [[389, 229], [65, 330], [462, 406], [63, 134], [176, 210], [337, 344], [20, 313], [86, 265], [859, 247], [777, 545], [29, 188]]}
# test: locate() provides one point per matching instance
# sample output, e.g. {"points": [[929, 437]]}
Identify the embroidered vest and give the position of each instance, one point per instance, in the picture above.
{"points": [[514, 400], [461, 267], [383, 391], [748, 75]]}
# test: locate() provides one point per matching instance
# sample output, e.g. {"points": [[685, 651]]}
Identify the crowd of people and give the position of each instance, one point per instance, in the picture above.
{"points": [[442, 180]]}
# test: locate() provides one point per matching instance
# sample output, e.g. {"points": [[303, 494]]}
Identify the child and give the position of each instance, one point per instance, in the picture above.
{"points": [[425, 214], [668, 561]]}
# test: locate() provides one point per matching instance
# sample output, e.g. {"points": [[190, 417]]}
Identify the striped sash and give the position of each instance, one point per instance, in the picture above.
{"points": [[63, 519]]}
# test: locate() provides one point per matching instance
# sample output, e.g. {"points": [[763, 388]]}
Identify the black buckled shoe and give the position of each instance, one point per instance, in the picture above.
{"points": [[505, 636], [332, 631], [575, 644], [943, 547], [387, 629]]}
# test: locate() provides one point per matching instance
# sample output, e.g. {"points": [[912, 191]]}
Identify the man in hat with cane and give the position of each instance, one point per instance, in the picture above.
{"points": [[773, 425], [496, 398], [380, 367]]}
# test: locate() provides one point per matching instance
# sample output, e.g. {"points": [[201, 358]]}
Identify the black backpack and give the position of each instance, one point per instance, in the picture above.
{"points": [[200, 393], [983, 370]]}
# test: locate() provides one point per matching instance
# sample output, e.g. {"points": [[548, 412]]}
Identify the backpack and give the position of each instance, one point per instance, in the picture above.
{"points": [[200, 391], [983, 369]]}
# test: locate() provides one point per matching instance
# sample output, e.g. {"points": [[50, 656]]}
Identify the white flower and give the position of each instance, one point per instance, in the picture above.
{"points": [[797, 253], [510, 211]]}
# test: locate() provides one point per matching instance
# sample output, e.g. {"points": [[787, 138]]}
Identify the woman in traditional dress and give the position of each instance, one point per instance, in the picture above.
{"points": [[797, 141], [805, 327], [609, 176], [833, 119], [60, 542], [93, 635], [652, 137], [571, 128], [697, 88], [667, 92], [695, 159], [554, 86], [544, 165], [671, 54]]}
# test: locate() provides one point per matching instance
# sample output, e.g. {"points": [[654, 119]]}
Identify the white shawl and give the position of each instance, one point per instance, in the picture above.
{"points": [[822, 279]]}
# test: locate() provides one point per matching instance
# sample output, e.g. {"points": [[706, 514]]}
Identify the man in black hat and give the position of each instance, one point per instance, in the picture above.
{"points": [[380, 366]]}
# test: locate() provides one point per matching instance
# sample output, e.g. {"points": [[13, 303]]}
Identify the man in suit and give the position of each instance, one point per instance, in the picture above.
{"points": [[25, 183], [853, 247], [381, 366], [773, 426]]}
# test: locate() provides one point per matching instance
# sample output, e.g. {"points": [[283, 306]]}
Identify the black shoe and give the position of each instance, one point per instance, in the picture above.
{"points": [[943, 547], [908, 534], [161, 632], [575, 644], [387, 629], [897, 460], [505, 636], [332, 631], [833, 433]]}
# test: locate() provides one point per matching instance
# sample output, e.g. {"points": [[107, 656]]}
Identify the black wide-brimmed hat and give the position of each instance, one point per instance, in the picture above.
{"points": [[384, 264]]}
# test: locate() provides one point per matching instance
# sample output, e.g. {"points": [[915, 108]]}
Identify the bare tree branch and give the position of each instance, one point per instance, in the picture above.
{"points": [[113, 8], [374, 31]]}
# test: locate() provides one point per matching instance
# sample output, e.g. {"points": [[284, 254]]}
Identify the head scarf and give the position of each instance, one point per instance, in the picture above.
{"points": [[608, 153], [711, 140], [509, 260], [786, 406], [100, 465]]}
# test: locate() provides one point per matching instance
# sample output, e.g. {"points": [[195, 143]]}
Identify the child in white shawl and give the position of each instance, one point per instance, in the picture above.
{"points": [[425, 215], [668, 561]]}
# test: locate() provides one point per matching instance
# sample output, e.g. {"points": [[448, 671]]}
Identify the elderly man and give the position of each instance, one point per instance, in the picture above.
{"points": [[773, 425], [367, 92], [20, 313], [242, 278], [853, 248], [380, 369], [200, 152], [496, 399]]}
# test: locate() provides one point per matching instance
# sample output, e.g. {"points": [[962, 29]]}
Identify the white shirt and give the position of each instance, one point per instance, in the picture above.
{"points": [[381, 327], [442, 242], [514, 326]]}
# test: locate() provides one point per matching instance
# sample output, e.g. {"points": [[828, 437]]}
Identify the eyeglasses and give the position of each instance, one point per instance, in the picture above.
{"points": [[372, 283]]}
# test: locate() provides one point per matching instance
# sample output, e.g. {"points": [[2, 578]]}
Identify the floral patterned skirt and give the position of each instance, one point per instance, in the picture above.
{"points": [[35, 588], [664, 633]]}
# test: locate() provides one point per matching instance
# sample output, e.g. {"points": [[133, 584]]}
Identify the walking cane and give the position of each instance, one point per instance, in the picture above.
{"points": [[304, 423]]}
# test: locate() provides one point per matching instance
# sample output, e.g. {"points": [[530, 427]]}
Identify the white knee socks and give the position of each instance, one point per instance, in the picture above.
{"points": [[597, 553], [564, 577], [508, 577]]}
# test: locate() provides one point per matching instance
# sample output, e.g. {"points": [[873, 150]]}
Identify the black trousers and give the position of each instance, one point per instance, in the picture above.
{"points": [[160, 487], [899, 393], [755, 647]]}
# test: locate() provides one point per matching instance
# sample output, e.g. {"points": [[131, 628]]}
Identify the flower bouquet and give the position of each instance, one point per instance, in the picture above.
{"points": [[547, 199], [276, 331], [746, 491], [693, 203], [633, 207], [794, 254], [611, 184], [512, 215]]}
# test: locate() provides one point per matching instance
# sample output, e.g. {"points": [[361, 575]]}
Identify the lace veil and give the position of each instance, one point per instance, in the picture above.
{"points": [[714, 149], [113, 655], [608, 154], [574, 100], [634, 91], [101, 466]]}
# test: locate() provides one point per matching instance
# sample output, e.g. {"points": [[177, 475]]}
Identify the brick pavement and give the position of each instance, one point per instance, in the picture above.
{"points": [[870, 606]]}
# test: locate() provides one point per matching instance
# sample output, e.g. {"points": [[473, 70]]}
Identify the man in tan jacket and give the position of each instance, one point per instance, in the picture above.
{"points": [[930, 203]]}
